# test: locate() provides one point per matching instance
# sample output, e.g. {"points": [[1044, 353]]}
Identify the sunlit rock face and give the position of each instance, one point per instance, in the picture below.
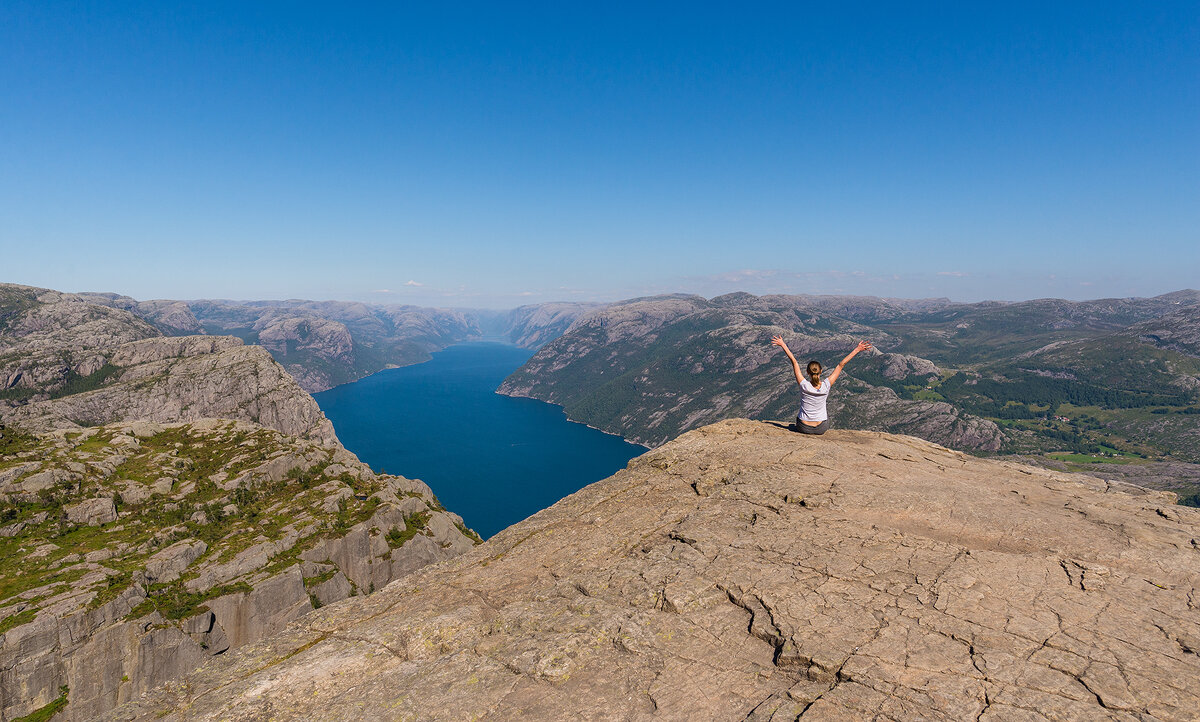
{"points": [[745, 571]]}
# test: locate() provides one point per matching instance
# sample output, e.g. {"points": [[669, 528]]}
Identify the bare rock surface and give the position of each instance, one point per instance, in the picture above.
{"points": [[742, 571]]}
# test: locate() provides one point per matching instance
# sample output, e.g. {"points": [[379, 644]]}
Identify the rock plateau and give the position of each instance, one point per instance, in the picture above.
{"points": [[742, 571]]}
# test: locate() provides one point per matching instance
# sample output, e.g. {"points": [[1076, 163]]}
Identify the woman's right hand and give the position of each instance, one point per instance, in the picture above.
{"points": [[863, 346], [778, 341]]}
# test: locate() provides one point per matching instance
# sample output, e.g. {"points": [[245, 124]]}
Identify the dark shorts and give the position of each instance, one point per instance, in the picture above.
{"points": [[806, 429]]}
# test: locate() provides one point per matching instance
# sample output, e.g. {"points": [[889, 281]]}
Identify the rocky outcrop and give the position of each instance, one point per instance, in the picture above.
{"points": [[134, 552], [185, 378], [746, 572], [67, 362], [92, 512], [47, 338]]}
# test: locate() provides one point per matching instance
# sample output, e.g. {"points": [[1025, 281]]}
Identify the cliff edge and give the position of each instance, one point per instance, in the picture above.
{"points": [[744, 571]]}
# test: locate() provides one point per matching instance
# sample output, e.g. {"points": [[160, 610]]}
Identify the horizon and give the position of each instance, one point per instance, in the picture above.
{"points": [[470, 156], [240, 301]]}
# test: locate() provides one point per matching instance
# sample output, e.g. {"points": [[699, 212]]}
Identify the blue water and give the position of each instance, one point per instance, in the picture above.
{"points": [[490, 458]]}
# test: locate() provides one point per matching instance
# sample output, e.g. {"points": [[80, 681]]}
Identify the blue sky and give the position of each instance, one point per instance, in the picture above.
{"points": [[477, 155]]}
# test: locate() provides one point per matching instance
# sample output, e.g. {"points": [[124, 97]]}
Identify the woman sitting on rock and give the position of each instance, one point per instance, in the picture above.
{"points": [[812, 418]]}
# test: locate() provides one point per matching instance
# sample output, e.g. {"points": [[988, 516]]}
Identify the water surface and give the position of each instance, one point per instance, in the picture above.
{"points": [[490, 458]]}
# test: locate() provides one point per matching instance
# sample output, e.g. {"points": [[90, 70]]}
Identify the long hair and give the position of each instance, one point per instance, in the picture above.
{"points": [[814, 372]]}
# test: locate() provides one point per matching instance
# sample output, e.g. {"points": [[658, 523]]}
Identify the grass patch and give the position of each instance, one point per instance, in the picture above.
{"points": [[14, 441], [17, 620], [173, 601], [413, 525], [468, 533], [320, 578], [44, 714]]}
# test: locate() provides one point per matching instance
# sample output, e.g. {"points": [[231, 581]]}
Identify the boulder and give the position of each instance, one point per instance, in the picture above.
{"points": [[92, 512]]}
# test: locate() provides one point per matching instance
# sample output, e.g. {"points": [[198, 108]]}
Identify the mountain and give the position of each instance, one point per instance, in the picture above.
{"points": [[1114, 381], [165, 499], [534, 325], [326, 343], [988, 331], [649, 369], [742, 571], [173, 318], [67, 363]]}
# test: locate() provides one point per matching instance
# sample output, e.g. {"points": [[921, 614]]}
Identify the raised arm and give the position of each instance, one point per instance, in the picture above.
{"points": [[778, 341], [862, 346]]}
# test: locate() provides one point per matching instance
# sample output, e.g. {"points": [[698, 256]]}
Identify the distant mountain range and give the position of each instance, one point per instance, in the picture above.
{"points": [[1076, 384], [326, 343], [1073, 384]]}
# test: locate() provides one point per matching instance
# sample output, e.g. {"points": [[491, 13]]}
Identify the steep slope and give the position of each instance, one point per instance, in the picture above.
{"points": [[129, 554], [744, 571], [650, 369], [326, 343]]}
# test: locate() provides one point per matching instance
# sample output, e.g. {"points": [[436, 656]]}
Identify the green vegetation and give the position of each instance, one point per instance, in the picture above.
{"points": [[44, 555], [76, 384], [468, 533], [14, 442], [173, 601], [17, 620], [987, 394], [17, 393], [413, 525], [46, 713]]}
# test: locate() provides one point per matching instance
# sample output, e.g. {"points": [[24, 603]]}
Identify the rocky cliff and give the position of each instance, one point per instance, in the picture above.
{"points": [[746, 572], [165, 499], [131, 553]]}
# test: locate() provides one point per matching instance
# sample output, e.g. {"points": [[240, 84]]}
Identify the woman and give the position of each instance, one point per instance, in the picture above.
{"points": [[812, 418]]}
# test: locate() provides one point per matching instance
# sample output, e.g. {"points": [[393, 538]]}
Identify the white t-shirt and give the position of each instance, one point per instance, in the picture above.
{"points": [[812, 400]]}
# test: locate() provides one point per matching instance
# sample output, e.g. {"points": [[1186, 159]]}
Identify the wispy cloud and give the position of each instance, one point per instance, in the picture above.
{"points": [[382, 290], [956, 274], [413, 283]]}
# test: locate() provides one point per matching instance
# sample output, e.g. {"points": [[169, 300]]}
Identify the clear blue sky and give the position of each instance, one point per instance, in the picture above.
{"points": [[601, 150]]}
